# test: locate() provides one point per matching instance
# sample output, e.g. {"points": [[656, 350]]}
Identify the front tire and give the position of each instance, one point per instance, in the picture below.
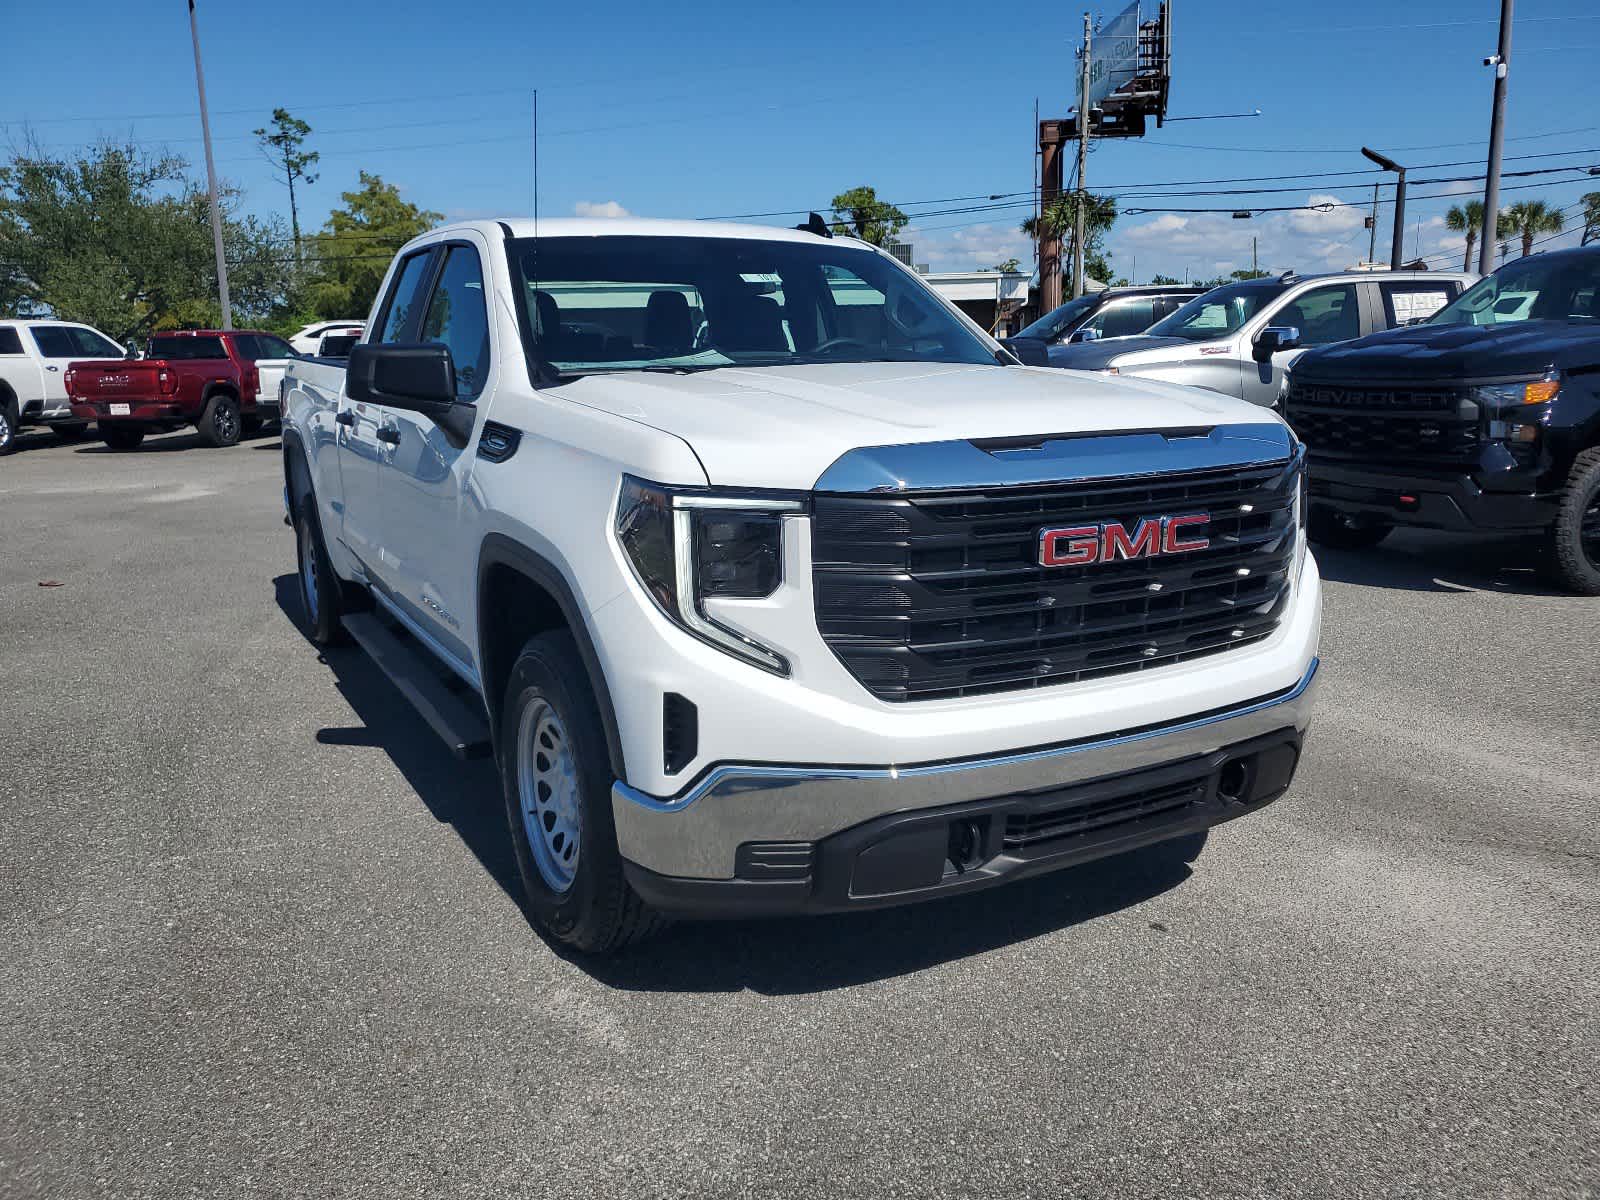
{"points": [[556, 778], [1572, 552], [70, 431], [1343, 531], [121, 437], [220, 423]]}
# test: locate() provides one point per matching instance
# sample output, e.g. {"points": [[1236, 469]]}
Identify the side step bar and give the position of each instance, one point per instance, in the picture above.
{"points": [[458, 719]]}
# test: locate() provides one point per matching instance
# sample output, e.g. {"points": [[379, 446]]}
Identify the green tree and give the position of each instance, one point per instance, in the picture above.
{"points": [[121, 239], [1467, 219], [353, 251], [1167, 280], [1010, 266], [860, 213], [282, 143], [1060, 221], [1247, 274], [1591, 217], [1528, 220]]}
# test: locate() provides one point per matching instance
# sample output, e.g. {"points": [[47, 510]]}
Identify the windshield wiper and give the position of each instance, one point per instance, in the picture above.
{"points": [[672, 369]]}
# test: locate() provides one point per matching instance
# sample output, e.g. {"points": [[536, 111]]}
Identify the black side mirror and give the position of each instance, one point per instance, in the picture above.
{"points": [[1274, 338], [415, 378], [1085, 334]]}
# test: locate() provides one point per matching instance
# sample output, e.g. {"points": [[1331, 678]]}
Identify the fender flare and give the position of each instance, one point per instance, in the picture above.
{"points": [[499, 550]]}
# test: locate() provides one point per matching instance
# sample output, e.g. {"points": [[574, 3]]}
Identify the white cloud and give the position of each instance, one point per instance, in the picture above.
{"points": [[1329, 215], [973, 248], [599, 208]]}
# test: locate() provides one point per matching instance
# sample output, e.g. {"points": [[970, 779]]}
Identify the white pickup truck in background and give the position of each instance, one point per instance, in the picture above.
{"points": [[34, 355], [774, 585]]}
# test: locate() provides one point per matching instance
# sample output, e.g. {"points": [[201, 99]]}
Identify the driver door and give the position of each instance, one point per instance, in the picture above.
{"points": [[1323, 315]]}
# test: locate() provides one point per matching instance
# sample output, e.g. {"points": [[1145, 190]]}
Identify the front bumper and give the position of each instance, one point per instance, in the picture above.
{"points": [[1428, 501], [760, 838]]}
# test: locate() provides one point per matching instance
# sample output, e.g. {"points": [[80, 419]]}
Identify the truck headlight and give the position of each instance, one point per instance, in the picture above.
{"points": [[1495, 396], [686, 547]]}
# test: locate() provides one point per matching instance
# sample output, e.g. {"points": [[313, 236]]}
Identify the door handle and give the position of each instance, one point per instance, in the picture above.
{"points": [[50, 368], [389, 435], [346, 418]]}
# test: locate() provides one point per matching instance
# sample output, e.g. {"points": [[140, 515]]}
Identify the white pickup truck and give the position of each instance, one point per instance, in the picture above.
{"points": [[774, 585], [34, 356]]}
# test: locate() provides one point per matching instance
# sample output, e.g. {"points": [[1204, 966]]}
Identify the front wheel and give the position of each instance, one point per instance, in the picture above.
{"points": [[8, 425], [121, 437], [220, 424], [1344, 531], [556, 778], [321, 597], [1572, 551]]}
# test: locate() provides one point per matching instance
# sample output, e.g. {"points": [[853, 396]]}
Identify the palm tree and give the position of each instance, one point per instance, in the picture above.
{"points": [[1060, 220], [1468, 220], [1591, 216], [1530, 219]]}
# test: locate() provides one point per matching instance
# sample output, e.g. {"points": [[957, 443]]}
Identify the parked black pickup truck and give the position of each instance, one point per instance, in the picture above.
{"points": [[1485, 417]]}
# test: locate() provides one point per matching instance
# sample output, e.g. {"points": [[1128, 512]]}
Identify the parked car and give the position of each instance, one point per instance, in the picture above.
{"points": [[212, 379], [309, 339], [1114, 312], [338, 343], [1486, 417], [34, 354], [1237, 339], [756, 609]]}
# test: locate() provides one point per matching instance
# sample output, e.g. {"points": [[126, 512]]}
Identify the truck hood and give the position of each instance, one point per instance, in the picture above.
{"points": [[782, 427], [1457, 352], [1096, 356]]}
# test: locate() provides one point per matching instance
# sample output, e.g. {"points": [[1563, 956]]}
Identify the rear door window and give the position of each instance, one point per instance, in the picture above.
{"points": [[10, 342], [1122, 318], [400, 309], [1406, 303]]}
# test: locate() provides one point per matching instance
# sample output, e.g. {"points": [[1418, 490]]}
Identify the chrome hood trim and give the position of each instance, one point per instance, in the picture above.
{"points": [[1055, 458]]}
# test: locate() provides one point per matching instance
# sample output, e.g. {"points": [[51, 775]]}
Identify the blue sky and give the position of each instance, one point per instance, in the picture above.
{"points": [[718, 108]]}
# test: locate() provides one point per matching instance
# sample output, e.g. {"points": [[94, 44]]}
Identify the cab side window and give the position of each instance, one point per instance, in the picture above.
{"points": [[400, 308], [1122, 318], [1323, 315], [1406, 303], [458, 317]]}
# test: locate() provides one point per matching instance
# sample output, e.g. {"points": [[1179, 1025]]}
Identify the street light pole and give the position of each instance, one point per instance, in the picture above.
{"points": [[1398, 245], [211, 177], [1501, 62]]}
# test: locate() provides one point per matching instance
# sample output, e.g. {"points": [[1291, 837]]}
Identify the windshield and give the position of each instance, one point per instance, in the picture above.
{"points": [[1217, 313], [1555, 289], [630, 303], [1058, 320]]}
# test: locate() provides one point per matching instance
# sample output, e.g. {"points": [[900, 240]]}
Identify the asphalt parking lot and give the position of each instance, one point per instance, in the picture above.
{"points": [[259, 934]]}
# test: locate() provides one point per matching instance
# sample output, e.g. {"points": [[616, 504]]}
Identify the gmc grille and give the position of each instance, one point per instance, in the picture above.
{"points": [[938, 595], [1420, 425]]}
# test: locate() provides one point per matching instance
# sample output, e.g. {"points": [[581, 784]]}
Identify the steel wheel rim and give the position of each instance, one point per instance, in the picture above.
{"points": [[222, 421], [5, 427], [308, 575], [547, 788]]}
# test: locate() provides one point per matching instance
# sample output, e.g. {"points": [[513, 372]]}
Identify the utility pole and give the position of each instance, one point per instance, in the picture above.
{"points": [[1397, 246], [1372, 225], [211, 177], [1252, 256], [1083, 160], [1501, 62]]}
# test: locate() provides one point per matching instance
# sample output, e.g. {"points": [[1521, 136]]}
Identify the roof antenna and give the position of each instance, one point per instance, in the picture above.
{"points": [[815, 224]]}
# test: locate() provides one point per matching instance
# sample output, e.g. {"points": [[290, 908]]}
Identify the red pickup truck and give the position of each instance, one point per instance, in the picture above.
{"points": [[211, 379]]}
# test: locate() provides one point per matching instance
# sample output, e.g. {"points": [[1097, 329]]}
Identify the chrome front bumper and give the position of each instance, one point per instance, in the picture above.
{"points": [[696, 835]]}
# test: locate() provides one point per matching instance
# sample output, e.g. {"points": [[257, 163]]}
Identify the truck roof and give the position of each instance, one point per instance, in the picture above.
{"points": [[552, 227]]}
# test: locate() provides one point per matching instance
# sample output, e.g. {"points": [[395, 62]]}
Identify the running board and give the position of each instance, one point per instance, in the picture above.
{"points": [[456, 718]]}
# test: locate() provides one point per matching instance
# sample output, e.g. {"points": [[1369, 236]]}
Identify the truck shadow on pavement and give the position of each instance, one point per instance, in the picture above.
{"points": [[1424, 561], [773, 957]]}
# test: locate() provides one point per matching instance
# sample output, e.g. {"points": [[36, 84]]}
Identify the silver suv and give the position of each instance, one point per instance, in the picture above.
{"points": [[1239, 338]]}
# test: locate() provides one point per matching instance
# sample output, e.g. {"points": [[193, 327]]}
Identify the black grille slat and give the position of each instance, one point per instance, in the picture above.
{"points": [[1420, 425], [949, 598], [1075, 820]]}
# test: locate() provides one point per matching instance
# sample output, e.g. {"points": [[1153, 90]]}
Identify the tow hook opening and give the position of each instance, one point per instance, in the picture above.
{"points": [[966, 844], [1233, 781]]}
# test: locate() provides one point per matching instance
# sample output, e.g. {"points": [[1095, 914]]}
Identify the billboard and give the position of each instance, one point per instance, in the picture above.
{"points": [[1114, 54]]}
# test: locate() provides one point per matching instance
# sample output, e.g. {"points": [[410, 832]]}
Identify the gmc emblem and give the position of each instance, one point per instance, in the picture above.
{"points": [[1080, 545]]}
